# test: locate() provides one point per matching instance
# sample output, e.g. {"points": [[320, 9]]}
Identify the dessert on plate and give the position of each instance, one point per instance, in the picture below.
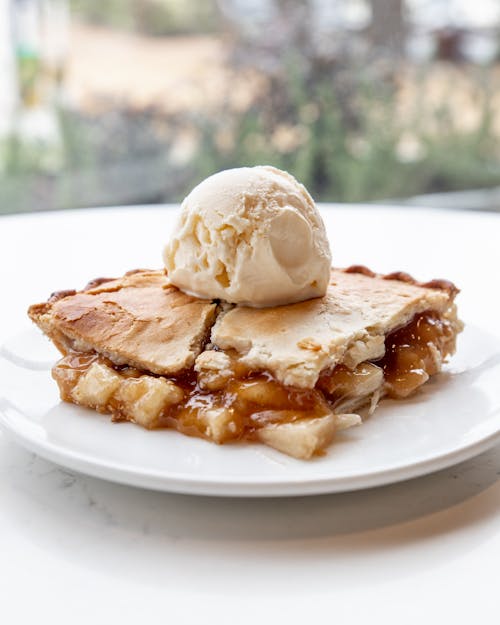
{"points": [[248, 333]]}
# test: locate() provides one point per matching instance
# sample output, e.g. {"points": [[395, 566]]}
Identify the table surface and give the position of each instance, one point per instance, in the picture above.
{"points": [[77, 549]]}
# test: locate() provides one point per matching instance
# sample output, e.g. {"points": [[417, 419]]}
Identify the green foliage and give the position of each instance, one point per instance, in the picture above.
{"points": [[150, 17], [347, 146], [365, 155]]}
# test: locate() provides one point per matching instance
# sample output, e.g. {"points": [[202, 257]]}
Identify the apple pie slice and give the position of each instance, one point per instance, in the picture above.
{"points": [[288, 376]]}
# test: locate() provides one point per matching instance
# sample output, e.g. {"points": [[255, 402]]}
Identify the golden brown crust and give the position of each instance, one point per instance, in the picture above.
{"points": [[143, 321], [402, 276], [444, 285], [347, 326], [60, 294], [360, 269], [96, 282], [138, 320]]}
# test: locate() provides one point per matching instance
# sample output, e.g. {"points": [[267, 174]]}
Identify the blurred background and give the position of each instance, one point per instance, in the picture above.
{"points": [[134, 101]]}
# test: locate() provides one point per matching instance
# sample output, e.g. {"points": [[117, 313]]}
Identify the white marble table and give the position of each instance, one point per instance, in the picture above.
{"points": [[75, 549]]}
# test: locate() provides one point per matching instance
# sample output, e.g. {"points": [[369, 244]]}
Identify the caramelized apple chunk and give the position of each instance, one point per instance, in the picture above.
{"points": [[96, 386], [415, 352], [144, 399], [220, 400], [302, 438], [360, 381]]}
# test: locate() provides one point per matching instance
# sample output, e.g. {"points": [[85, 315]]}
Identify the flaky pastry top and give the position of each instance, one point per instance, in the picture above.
{"points": [[143, 321]]}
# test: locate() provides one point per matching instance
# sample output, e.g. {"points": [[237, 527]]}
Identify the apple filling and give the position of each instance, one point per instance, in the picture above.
{"points": [[415, 352], [220, 400]]}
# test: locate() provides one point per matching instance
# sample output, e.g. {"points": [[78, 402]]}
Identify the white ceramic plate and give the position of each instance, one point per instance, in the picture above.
{"points": [[456, 416]]}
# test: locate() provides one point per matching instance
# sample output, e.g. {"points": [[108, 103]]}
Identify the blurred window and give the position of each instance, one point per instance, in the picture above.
{"points": [[134, 101]]}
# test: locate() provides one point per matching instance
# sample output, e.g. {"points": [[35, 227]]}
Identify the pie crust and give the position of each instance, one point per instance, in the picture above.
{"points": [[289, 376], [296, 342], [139, 320]]}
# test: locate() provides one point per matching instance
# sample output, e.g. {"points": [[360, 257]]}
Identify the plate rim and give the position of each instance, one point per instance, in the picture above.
{"points": [[182, 483], [281, 485], [223, 485]]}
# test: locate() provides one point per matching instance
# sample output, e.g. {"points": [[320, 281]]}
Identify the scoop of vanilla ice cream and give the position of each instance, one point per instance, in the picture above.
{"points": [[250, 236]]}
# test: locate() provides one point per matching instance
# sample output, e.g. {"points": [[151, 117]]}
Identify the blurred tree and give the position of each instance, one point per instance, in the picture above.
{"points": [[326, 100], [387, 31]]}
